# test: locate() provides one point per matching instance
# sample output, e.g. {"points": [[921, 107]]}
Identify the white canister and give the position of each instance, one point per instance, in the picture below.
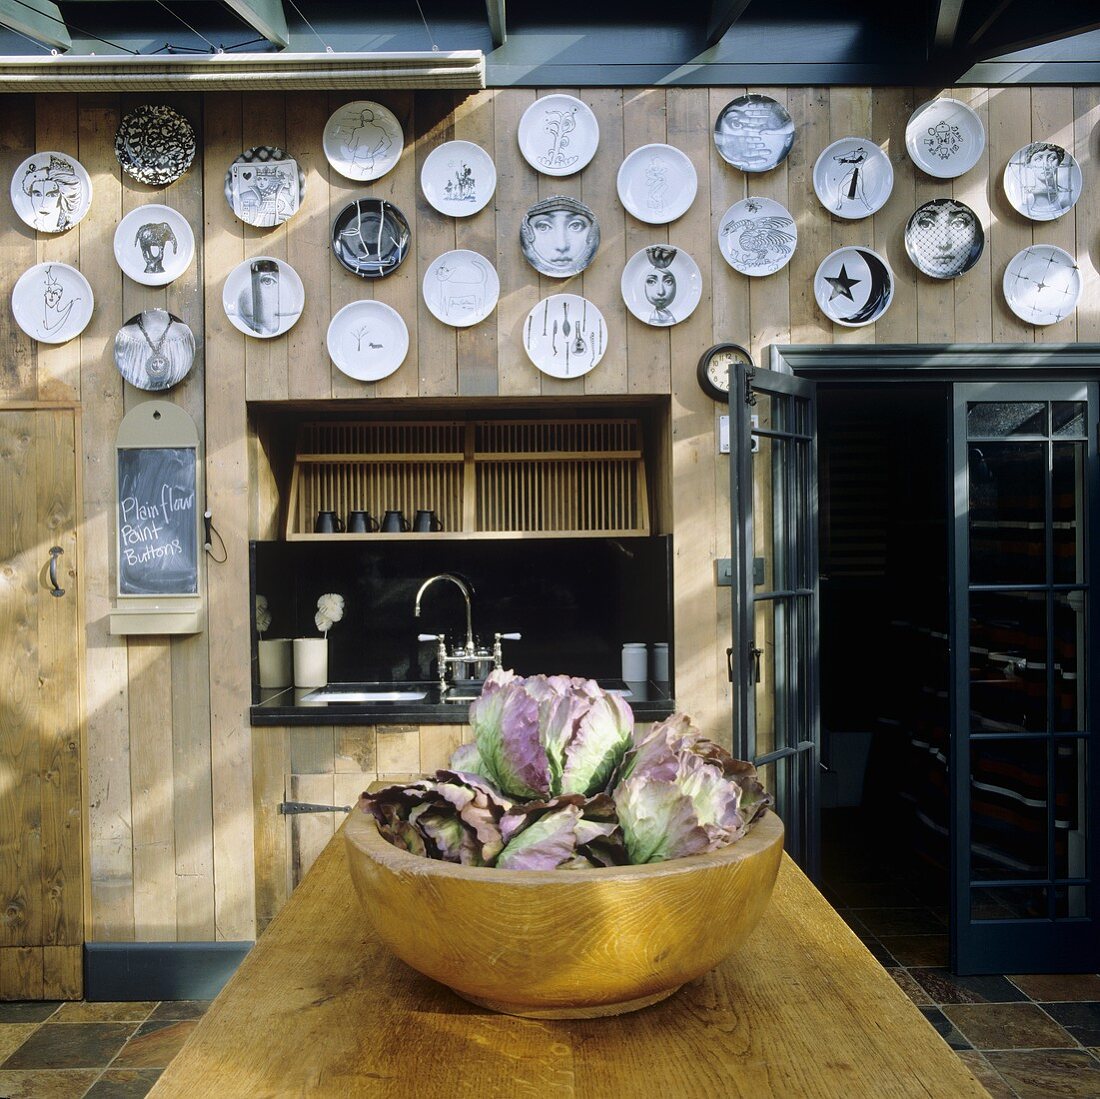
{"points": [[276, 662], [310, 661], [658, 662], [635, 662]]}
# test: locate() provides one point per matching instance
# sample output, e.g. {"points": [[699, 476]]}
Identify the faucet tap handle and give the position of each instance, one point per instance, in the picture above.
{"points": [[498, 652], [429, 637]]}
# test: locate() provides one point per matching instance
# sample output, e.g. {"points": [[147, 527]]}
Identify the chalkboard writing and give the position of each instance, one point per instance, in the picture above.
{"points": [[157, 522]]}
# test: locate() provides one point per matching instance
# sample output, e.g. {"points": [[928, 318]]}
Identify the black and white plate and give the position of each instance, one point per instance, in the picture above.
{"points": [[1042, 181], [853, 178], [155, 144], [754, 133], [51, 191], [757, 236], [263, 297], [657, 183], [363, 140], [371, 237], [559, 236], [558, 135], [944, 138], [265, 186], [1042, 284], [458, 178], [944, 238], [461, 288], [52, 302], [661, 285], [367, 340], [154, 244], [565, 336], [154, 350], [854, 286]]}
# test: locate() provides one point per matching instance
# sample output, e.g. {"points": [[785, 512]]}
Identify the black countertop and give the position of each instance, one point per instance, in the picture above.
{"points": [[290, 706]]}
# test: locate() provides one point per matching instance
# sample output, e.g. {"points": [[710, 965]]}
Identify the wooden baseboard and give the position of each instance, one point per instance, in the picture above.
{"points": [[41, 972], [159, 971]]}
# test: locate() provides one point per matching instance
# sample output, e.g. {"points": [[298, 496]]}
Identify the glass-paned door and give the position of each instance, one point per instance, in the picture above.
{"points": [[1024, 751], [774, 656]]}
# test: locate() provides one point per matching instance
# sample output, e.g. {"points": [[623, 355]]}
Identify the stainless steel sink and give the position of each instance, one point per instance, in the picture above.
{"points": [[367, 692]]}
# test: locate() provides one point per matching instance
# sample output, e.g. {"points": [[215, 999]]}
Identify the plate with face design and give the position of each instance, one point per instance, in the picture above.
{"points": [[51, 191], [657, 183], [559, 236], [944, 238], [558, 135], [52, 302], [458, 178], [263, 297], [661, 285], [1042, 181], [265, 186], [154, 244], [565, 336], [754, 133], [155, 144], [944, 137]]}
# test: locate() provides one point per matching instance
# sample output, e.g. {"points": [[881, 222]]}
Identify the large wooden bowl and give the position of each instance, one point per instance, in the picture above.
{"points": [[563, 944]]}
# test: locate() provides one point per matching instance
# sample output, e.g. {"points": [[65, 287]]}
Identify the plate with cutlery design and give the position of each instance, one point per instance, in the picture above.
{"points": [[565, 336]]}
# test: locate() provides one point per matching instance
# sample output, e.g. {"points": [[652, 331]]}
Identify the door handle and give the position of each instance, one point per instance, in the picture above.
{"points": [[756, 655], [55, 588]]}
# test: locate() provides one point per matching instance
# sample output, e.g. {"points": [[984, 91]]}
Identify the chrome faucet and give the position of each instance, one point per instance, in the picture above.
{"points": [[466, 593]]}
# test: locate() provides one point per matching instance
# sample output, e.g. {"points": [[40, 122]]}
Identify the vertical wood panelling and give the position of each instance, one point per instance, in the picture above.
{"points": [[270, 765], [18, 250], [730, 292], [935, 298], [973, 291], [1086, 119]]}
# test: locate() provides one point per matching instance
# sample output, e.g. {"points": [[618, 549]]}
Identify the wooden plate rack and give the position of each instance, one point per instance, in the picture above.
{"points": [[483, 478]]}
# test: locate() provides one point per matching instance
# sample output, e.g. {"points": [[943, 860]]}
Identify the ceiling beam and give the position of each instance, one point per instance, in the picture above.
{"points": [[498, 26], [37, 19], [723, 14], [265, 16], [945, 26]]}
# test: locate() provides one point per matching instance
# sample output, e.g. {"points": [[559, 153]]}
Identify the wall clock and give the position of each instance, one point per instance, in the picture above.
{"points": [[715, 366]]}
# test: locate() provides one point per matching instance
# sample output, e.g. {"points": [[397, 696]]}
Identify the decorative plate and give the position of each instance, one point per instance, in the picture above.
{"points": [[367, 340], [461, 288], [853, 178], [263, 297], [155, 145], [558, 135], [52, 302], [661, 285], [154, 244], [944, 138], [1042, 284], [757, 236], [154, 350], [458, 178], [754, 133], [854, 286], [1042, 181], [565, 336], [265, 186], [559, 236], [51, 191], [363, 140], [944, 238], [371, 237], [657, 183]]}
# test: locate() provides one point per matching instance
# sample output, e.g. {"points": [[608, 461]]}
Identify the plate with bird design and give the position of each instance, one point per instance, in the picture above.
{"points": [[757, 236]]}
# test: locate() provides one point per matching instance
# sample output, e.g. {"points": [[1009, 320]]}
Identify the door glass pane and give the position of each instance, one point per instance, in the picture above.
{"points": [[1009, 903], [1007, 513], [1071, 901], [1000, 418], [1069, 662], [1008, 809], [1070, 808], [1068, 419], [1008, 662], [764, 614], [1068, 503]]}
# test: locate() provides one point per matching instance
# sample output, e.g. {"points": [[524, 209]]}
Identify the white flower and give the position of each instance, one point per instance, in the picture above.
{"points": [[330, 609], [263, 615]]}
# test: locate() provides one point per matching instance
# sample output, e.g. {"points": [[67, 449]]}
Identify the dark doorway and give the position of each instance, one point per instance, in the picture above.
{"points": [[885, 668]]}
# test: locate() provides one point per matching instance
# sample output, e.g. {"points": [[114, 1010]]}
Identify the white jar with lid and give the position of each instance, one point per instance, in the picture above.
{"points": [[635, 662]]}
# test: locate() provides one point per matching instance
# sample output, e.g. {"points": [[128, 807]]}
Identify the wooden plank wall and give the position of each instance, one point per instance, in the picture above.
{"points": [[185, 838]]}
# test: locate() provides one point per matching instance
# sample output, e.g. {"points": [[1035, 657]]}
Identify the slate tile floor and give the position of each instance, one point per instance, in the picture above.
{"points": [[1023, 1036], [102, 1051]]}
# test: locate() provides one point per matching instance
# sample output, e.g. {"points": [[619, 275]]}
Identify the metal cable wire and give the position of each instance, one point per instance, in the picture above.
{"points": [[176, 15], [301, 15], [65, 23]]}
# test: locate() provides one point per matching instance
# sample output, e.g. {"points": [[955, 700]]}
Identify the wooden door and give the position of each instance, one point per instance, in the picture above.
{"points": [[41, 814]]}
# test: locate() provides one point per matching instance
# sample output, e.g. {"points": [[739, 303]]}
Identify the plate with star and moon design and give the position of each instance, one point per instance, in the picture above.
{"points": [[854, 286]]}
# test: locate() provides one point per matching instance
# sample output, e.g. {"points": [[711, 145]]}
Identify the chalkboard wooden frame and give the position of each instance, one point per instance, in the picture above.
{"points": [[158, 523]]}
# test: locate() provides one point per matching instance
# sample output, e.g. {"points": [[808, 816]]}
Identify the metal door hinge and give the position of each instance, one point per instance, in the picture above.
{"points": [[750, 396], [289, 808]]}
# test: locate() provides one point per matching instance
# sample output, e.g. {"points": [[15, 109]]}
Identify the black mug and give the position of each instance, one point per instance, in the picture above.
{"points": [[394, 522], [328, 522], [426, 521], [361, 522]]}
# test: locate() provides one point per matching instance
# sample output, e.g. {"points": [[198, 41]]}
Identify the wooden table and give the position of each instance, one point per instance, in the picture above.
{"points": [[320, 1008]]}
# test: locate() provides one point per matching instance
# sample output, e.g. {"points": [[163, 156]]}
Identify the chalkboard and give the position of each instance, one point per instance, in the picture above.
{"points": [[158, 537]]}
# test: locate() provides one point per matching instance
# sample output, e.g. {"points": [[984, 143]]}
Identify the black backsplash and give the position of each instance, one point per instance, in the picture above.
{"points": [[575, 600]]}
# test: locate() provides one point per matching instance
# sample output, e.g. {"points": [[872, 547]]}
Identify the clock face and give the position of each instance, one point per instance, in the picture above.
{"points": [[715, 367]]}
